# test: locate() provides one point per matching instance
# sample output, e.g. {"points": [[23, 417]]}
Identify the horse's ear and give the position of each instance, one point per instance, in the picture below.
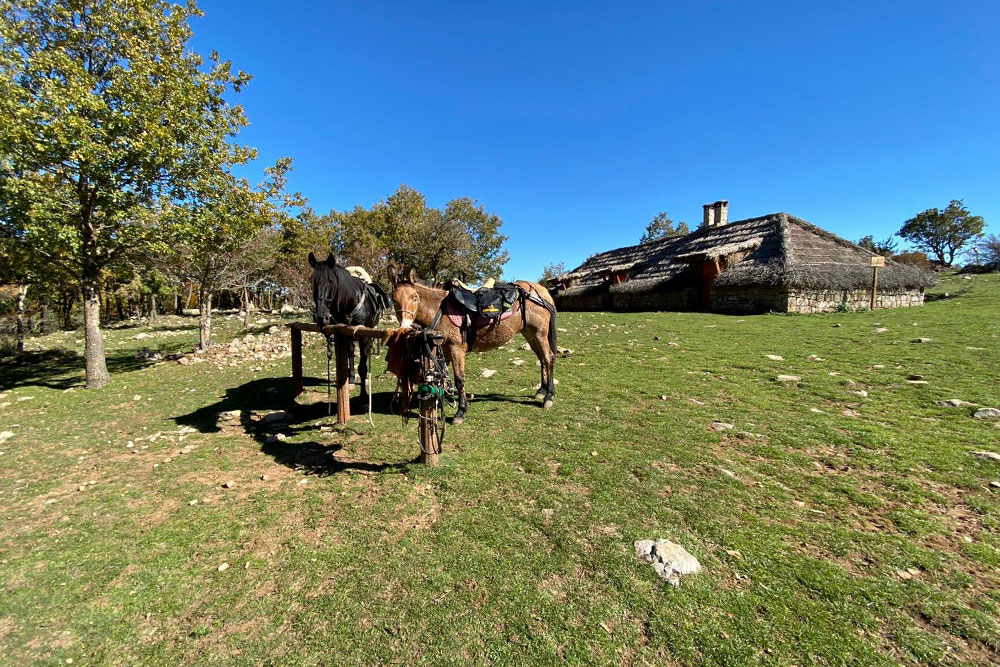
{"points": [[312, 260], [393, 274], [331, 260], [413, 275]]}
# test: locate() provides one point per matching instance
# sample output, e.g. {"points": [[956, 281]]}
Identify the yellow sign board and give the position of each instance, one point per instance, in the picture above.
{"points": [[878, 261]]}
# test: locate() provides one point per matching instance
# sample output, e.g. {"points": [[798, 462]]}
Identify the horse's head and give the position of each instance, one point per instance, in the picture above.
{"points": [[405, 296], [325, 283]]}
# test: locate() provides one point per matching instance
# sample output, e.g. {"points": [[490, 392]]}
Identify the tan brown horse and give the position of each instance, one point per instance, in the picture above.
{"points": [[420, 302]]}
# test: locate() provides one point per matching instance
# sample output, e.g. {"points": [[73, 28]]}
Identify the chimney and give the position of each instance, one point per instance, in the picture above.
{"points": [[721, 213], [715, 215], [708, 216]]}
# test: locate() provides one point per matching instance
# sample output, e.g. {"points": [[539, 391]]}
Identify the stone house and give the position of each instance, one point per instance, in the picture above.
{"points": [[775, 262]]}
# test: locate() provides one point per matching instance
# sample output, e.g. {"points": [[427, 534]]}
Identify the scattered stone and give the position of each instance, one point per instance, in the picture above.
{"points": [[223, 567], [837, 324], [915, 376], [563, 351], [919, 383], [881, 330], [673, 344], [663, 397], [862, 393], [288, 309], [525, 347], [722, 426], [987, 413], [229, 415], [952, 403], [264, 478], [670, 561], [184, 361], [229, 485], [993, 456], [788, 378], [695, 401], [995, 484], [82, 487], [21, 399], [193, 502], [817, 411], [921, 340], [775, 357], [273, 417], [904, 575], [727, 473], [5, 436], [850, 413], [517, 362], [277, 437], [488, 373], [813, 357], [878, 366], [597, 408], [594, 453], [656, 338]]}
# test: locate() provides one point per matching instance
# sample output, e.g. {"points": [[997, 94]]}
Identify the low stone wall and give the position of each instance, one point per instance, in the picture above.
{"points": [[590, 301], [749, 299], [815, 301]]}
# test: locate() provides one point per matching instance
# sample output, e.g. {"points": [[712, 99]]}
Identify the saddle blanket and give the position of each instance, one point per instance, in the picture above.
{"points": [[456, 313]]}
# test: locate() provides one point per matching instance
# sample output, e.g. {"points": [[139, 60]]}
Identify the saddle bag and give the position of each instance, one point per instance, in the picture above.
{"points": [[492, 303]]}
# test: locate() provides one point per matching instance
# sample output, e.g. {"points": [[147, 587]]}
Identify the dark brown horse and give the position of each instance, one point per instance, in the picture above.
{"points": [[420, 302]]}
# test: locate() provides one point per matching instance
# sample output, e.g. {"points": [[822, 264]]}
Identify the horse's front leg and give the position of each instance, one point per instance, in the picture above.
{"points": [[457, 357]]}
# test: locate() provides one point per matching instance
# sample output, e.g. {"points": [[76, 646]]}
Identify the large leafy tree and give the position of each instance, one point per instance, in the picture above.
{"points": [[105, 110], [661, 226], [943, 233]]}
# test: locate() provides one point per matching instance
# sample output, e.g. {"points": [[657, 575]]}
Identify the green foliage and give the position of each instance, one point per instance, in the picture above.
{"points": [[106, 112], [885, 247], [661, 226], [943, 233], [550, 271]]}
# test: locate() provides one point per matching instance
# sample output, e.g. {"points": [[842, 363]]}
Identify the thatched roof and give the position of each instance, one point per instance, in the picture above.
{"points": [[780, 250]]}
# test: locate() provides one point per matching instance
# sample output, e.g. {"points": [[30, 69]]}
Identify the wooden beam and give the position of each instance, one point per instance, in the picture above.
{"points": [[342, 349]]}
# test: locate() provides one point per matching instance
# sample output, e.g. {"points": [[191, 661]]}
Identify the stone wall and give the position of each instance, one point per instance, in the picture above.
{"points": [[749, 299], [676, 299], [817, 301]]}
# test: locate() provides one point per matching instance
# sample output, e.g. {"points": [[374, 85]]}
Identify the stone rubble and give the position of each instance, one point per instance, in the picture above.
{"points": [[987, 413]]}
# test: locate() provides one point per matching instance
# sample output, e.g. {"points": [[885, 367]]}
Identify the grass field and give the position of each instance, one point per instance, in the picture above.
{"points": [[833, 528]]}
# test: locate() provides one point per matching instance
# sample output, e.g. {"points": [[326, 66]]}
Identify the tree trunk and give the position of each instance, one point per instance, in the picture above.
{"points": [[22, 293], [187, 302], [246, 309], [68, 311], [205, 317], [177, 302], [97, 368], [152, 307]]}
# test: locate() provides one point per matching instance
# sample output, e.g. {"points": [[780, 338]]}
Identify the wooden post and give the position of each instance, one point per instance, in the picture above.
{"points": [[342, 349], [296, 335], [430, 445], [876, 263]]}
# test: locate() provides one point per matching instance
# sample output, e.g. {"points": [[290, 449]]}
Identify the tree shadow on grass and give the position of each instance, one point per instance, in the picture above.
{"points": [[257, 398], [59, 368]]}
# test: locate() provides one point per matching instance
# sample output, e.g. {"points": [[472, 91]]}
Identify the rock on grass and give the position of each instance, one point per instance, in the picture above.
{"points": [[670, 561], [788, 378], [987, 413]]}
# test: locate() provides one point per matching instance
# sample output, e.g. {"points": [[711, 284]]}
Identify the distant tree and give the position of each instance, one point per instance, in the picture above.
{"points": [[550, 271], [988, 250], [913, 258], [106, 100], [885, 247], [662, 226], [943, 233]]}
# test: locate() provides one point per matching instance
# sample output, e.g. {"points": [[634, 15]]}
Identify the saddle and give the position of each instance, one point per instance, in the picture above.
{"points": [[471, 310]]}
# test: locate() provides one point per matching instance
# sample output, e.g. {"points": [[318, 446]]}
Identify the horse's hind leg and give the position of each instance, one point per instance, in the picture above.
{"points": [[546, 358]]}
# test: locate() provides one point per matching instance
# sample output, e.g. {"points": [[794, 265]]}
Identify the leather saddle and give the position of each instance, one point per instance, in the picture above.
{"points": [[486, 303]]}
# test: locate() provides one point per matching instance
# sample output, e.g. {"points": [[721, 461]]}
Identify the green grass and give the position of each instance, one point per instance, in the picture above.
{"points": [[518, 548]]}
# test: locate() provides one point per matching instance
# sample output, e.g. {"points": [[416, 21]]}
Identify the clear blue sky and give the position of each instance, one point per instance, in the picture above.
{"points": [[578, 121]]}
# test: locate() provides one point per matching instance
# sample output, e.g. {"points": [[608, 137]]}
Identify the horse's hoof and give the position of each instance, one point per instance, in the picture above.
{"points": [[547, 404], [456, 420], [540, 396]]}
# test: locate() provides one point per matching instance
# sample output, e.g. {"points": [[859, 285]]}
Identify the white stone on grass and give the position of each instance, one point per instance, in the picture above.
{"points": [[488, 373], [987, 413], [788, 378], [670, 561]]}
